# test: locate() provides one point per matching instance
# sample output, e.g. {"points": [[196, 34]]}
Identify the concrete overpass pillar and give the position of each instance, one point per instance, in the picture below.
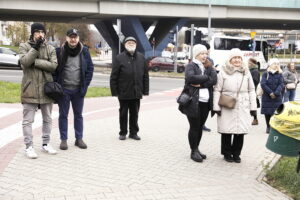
{"points": [[108, 32], [162, 31], [132, 26]]}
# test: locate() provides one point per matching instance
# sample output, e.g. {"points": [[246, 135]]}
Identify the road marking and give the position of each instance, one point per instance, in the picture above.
{"points": [[14, 131], [7, 111]]}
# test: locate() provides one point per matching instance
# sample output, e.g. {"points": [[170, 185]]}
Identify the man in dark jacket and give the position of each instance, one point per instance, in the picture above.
{"points": [[74, 73], [129, 81]]}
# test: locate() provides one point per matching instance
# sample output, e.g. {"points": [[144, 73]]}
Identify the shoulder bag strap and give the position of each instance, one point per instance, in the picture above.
{"points": [[240, 85]]}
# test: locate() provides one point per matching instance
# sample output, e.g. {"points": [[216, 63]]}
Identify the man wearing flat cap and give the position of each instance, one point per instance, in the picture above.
{"points": [[74, 72], [129, 81], [38, 60]]}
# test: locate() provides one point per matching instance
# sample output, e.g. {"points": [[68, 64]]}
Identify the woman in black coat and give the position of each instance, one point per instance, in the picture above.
{"points": [[199, 81]]}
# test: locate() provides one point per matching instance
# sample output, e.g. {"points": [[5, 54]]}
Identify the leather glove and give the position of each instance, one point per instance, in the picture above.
{"points": [[253, 112], [273, 96], [217, 112], [38, 43]]}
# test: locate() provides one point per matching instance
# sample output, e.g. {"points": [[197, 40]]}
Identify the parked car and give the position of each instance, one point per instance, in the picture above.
{"points": [[164, 64], [9, 58]]}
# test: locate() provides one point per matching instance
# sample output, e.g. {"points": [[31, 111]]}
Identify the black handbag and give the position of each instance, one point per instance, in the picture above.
{"points": [[53, 90], [185, 98]]}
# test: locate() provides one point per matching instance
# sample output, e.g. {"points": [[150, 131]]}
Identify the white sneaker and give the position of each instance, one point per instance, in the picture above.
{"points": [[49, 149], [30, 153]]}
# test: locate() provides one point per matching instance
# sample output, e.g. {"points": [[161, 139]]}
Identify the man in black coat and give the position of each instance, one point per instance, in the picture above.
{"points": [[129, 81]]}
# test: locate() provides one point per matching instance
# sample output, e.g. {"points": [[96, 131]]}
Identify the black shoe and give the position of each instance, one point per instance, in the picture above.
{"points": [[195, 156], [204, 128], [237, 159], [122, 137], [135, 137], [228, 158], [268, 130], [80, 144], [63, 145], [202, 155]]}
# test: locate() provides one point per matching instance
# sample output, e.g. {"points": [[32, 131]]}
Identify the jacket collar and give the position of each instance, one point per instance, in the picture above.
{"points": [[230, 69]]}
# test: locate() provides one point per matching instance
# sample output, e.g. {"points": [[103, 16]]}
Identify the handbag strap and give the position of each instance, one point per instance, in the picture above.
{"points": [[240, 85], [239, 88]]}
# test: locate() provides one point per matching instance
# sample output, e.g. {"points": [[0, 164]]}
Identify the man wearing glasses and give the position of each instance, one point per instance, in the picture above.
{"points": [[38, 60]]}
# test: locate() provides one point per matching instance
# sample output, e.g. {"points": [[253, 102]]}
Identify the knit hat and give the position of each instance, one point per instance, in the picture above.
{"points": [[198, 48], [36, 27], [130, 38], [235, 52], [72, 31], [273, 61]]}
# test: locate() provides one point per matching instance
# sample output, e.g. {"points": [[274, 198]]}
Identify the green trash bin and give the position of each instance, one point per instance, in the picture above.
{"points": [[282, 144]]}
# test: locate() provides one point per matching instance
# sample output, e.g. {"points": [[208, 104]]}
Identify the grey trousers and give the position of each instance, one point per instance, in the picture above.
{"points": [[29, 110]]}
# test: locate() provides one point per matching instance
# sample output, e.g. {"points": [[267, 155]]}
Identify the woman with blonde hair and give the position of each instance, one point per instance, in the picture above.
{"points": [[234, 80], [272, 86], [290, 77]]}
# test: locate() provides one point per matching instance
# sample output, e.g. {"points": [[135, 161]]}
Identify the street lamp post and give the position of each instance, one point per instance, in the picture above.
{"points": [[209, 21], [176, 49]]}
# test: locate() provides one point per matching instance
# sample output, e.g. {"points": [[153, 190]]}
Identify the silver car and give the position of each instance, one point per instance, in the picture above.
{"points": [[9, 58]]}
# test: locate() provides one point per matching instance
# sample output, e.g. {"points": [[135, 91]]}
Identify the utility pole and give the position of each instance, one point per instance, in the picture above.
{"points": [[209, 21], [176, 49], [119, 33], [192, 41]]}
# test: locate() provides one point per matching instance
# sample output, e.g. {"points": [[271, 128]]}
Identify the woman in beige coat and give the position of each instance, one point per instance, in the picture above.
{"points": [[234, 76]]}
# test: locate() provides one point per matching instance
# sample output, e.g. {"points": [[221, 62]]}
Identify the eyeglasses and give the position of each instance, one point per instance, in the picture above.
{"points": [[39, 31]]}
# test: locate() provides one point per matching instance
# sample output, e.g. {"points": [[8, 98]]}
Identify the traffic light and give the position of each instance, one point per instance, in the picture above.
{"points": [[187, 37], [197, 37]]}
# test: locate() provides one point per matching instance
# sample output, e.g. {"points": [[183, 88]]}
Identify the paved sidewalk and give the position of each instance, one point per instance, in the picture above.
{"points": [[157, 167]]}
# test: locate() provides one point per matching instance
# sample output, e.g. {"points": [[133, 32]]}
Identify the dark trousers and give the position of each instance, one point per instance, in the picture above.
{"points": [[77, 101], [268, 117], [196, 124], [133, 105], [229, 147]]}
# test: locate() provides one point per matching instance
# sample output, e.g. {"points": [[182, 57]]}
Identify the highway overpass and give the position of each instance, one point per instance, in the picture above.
{"points": [[138, 15]]}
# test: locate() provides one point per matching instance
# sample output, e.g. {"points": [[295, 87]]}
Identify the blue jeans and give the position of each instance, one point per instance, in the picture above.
{"points": [[73, 97], [289, 95]]}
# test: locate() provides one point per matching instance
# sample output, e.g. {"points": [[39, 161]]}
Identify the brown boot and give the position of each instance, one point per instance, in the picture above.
{"points": [[255, 122], [63, 145], [80, 144]]}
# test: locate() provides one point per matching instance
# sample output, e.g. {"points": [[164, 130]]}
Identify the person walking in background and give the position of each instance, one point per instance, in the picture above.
{"points": [[129, 81], [291, 80], [74, 73], [272, 85], [234, 79], [252, 63], [38, 61], [199, 81]]}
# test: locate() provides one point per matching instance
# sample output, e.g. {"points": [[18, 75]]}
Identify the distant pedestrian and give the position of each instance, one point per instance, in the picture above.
{"points": [[272, 85], [291, 81], [199, 81], [234, 79], [38, 60], [252, 63], [74, 73], [129, 81]]}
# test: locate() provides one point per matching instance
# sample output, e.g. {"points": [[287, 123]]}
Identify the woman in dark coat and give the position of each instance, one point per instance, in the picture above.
{"points": [[272, 85], [252, 64], [199, 81]]}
